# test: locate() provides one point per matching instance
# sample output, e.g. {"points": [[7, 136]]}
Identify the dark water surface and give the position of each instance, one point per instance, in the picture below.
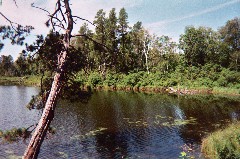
{"points": [[119, 124]]}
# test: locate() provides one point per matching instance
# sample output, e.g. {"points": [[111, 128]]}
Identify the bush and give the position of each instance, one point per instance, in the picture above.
{"points": [[132, 79], [94, 79], [81, 78], [223, 144], [112, 79]]}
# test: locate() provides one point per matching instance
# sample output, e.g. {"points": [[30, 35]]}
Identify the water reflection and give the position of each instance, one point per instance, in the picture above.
{"points": [[123, 114], [135, 125], [14, 114]]}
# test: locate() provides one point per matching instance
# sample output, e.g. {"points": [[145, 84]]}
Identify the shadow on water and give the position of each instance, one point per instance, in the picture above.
{"points": [[135, 125]]}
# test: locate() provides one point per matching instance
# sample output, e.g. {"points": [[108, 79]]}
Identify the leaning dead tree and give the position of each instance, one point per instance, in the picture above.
{"points": [[61, 18]]}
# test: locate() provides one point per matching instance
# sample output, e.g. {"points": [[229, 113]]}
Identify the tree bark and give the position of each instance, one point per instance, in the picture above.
{"points": [[33, 148], [146, 55]]}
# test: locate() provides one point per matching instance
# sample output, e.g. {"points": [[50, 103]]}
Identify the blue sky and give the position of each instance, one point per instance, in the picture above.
{"points": [[171, 17], [158, 16]]}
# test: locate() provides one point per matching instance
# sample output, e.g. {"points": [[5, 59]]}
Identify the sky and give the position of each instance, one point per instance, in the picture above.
{"points": [[160, 17]]}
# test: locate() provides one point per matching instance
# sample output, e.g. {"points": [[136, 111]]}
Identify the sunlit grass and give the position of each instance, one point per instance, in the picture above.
{"points": [[223, 144], [224, 90], [32, 80], [26, 80]]}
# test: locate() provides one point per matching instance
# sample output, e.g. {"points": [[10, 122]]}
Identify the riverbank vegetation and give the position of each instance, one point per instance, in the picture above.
{"points": [[30, 80], [118, 56], [223, 144]]}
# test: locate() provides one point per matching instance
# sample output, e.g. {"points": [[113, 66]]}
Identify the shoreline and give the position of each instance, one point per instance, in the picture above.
{"points": [[164, 90], [20, 81], [181, 90], [222, 143]]}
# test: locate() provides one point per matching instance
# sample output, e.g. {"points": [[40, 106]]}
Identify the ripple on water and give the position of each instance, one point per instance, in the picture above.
{"points": [[125, 125]]}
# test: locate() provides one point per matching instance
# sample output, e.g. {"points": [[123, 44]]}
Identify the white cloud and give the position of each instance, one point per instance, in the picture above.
{"points": [[163, 24], [26, 15]]}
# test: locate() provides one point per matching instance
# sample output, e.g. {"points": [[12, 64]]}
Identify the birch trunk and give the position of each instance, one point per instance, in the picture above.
{"points": [[146, 55]]}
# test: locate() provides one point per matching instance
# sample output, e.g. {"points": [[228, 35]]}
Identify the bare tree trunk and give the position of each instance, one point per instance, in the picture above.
{"points": [[146, 55], [33, 148]]}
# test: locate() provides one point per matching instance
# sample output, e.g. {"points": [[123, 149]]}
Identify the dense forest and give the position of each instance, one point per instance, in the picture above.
{"points": [[117, 54]]}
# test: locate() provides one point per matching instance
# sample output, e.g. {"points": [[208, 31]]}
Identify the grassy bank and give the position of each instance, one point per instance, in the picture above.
{"points": [[223, 144], [140, 82], [26, 80], [155, 82], [171, 90]]}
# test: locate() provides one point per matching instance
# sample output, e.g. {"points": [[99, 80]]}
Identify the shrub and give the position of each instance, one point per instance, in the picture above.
{"points": [[94, 79], [132, 79], [81, 78], [110, 80], [223, 144]]}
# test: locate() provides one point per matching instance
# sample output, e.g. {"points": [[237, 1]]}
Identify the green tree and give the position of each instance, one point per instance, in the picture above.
{"points": [[200, 45], [85, 45], [122, 37], [163, 54], [112, 43], [230, 34], [101, 36], [6, 66], [138, 40], [21, 64]]}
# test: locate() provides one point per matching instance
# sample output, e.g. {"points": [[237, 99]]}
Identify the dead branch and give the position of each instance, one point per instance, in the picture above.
{"points": [[84, 20], [15, 2], [32, 5], [11, 22]]}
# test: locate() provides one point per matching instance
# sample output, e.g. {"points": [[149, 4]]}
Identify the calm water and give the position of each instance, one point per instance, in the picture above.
{"points": [[119, 124]]}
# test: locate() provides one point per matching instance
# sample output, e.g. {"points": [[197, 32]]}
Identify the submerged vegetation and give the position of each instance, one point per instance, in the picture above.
{"points": [[14, 134]]}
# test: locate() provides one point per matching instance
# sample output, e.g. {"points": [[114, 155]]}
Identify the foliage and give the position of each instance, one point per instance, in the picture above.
{"points": [[208, 76], [200, 45], [223, 144], [94, 79], [15, 34], [230, 36], [117, 54]]}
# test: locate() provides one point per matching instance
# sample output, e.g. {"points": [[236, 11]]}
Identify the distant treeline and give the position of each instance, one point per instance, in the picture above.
{"points": [[202, 54]]}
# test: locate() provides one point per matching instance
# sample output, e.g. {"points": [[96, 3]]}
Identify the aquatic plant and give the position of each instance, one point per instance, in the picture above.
{"points": [[180, 122], [89, 134], [162, 120], [187, 152], [14, 134]]}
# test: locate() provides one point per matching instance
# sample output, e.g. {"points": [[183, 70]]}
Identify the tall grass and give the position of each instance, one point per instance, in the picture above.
{"points": [[223, 144]]}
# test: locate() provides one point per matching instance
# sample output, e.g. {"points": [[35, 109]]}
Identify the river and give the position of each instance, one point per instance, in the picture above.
{"points": [[119, 124]]}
